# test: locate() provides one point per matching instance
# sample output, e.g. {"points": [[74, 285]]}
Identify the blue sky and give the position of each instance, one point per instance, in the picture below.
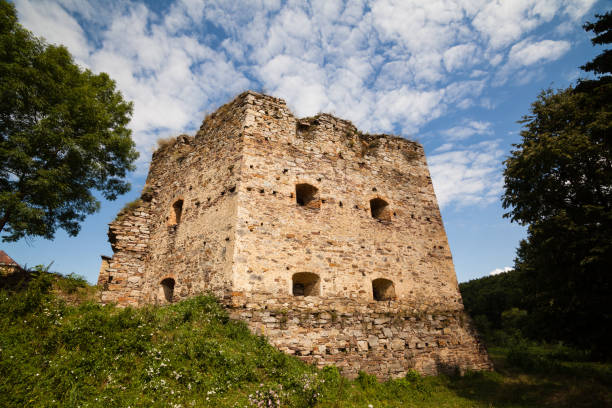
{"points": [[455, 75]]}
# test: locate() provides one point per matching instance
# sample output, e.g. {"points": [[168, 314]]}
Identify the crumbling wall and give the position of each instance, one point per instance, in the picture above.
{"points": [[382, 338], [121, 276], [195, 253], [368, 214], [339, 239], [326, 240]]}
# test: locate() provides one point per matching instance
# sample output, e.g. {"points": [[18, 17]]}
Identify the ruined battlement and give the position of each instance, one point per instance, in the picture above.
{"points": [[327, 240]]}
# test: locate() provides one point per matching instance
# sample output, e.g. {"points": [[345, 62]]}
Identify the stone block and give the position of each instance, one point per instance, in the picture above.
{"points": [[398, 344], [373, 341]]}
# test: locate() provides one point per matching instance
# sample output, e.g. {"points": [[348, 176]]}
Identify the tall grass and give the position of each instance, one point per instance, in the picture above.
{"points": [[190, 354]]}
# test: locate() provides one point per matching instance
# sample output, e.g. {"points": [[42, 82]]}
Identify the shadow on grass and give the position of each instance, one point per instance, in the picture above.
{"points": [[576, 386]]}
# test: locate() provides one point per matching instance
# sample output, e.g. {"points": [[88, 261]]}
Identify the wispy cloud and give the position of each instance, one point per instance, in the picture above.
{"points": [[467, 175], [497, 271], [389, 65], [528, 53], [467, 129]]}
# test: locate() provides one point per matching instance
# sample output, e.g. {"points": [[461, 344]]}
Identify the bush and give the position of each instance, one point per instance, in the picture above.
{"points": [[366, 380], [71, 283], [530, 358]]}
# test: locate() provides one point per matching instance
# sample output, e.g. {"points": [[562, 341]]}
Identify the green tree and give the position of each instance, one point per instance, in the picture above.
{"points": [[63, 134], [558, 181], [602, 28]]}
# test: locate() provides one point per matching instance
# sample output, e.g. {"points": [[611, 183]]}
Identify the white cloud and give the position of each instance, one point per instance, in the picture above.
{"points": [[460, 56], [468, 129], [388, 65], [444, 147], [52, 22], [469, 175], [525, 59], [576, 9], [497, 271], [503, 22], [527, 53]]}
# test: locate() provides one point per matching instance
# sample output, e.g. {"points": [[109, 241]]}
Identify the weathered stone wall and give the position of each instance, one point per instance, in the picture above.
{"points": [[121, 276], [272, 207], [382, 338], [202, 172], [340, 241], [195, 252]]}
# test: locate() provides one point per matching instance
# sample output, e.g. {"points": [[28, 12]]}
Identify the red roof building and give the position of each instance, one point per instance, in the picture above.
{"points": [[7, 265]]}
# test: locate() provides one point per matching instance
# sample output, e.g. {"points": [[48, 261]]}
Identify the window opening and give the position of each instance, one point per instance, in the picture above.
{"points": [[383, 289], [306, 284], [176, 212], [380, 209], [167, 289], [307, 196]]}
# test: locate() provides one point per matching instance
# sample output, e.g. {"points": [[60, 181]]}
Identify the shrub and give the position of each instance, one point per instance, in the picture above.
{"points": [[366, 380], [71, 283]]}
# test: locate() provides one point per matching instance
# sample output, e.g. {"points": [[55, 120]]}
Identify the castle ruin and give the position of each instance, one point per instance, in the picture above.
{"points": [[327, 241]]}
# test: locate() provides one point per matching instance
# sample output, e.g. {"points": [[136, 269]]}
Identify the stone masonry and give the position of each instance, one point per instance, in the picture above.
{"points": [[326, 240]]}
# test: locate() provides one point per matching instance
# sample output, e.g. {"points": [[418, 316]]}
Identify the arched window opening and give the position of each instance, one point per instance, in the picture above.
{"points": [[380, 209], [383, 289], [176, 212], [306, 284], [307, 196], [167, 289]]}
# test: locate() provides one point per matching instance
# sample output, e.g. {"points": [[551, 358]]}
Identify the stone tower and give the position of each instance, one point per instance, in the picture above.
{"points": [[326, 240]]}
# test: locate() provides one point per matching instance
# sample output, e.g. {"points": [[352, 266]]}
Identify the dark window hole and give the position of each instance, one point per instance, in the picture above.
{"points": [[306, 284], [383, 289], [380, 209], [307, 195], [176, 212], [167, 289]]}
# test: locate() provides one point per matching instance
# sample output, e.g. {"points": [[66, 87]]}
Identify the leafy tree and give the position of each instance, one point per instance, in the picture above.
{"points": [[490, 296], [63, 134], [558, 181]]}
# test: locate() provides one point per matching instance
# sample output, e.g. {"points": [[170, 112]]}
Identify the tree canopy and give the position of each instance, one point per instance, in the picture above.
{"points": [[558, 181], [63, 134]]}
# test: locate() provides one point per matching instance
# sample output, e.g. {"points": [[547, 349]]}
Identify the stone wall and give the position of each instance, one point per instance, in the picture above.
{"points": [[328, 241], [382, 338], [339, 240], [122, 275], [196, 252]]}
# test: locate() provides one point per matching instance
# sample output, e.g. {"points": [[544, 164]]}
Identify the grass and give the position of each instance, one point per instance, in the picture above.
{"points": [[164, 142], [60, 349], [128, 209]]}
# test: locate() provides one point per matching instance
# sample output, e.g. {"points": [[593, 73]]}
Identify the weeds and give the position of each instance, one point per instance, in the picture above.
{"points": [[190, 354], [162, 143], [128, 209]]}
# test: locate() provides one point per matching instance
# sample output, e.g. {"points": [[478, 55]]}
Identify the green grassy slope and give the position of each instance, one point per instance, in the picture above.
{"points": [[55, 353]]}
